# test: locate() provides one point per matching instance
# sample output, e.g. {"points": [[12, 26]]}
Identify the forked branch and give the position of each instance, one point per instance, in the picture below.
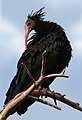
{"points": [[19, 98], [57, 96]]}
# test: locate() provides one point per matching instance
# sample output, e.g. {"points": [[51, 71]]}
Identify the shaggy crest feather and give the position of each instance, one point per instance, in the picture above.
{"points": [[38, 15]]}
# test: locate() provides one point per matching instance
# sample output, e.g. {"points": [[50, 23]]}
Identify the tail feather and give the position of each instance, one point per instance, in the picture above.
{"points": [[21, 109], [19, 83]]}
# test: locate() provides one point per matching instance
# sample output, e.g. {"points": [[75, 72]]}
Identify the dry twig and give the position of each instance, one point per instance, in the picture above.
{"points": [[45, 102], [18, 100], [57, 96], [7, 110]]}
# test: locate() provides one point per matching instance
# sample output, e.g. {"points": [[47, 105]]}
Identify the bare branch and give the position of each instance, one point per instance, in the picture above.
{"points": [[28, 72], [18, 100], [43, 63], [21, 97], [56, 75], [57, 96], [45, 102]]}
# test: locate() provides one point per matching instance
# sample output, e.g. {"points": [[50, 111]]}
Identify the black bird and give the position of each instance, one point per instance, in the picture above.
{"points": [[48, 36]]}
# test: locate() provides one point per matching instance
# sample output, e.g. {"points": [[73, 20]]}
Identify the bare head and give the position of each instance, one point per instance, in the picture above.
{"points": [[32, 23], [34, 18]]}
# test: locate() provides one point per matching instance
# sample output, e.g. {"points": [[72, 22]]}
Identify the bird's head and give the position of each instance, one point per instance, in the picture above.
{"points": [[33, 23], [34, 19]]}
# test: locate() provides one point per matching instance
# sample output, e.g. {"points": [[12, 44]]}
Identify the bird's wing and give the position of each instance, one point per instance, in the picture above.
{"points": [[58, 54]]}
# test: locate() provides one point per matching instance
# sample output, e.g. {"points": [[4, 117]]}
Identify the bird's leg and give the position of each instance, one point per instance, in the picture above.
{"points": [[46, 89]]}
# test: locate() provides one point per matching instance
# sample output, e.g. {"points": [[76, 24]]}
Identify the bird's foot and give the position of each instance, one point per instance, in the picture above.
{"points": [[45, 90]]}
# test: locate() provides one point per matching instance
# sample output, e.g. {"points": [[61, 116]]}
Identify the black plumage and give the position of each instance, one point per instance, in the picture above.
{"points": [[48, 36]]}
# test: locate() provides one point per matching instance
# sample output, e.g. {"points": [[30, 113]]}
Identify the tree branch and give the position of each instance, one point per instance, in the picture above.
{"points": [[7, 110], [28, 72], [43, 63], [19, 98], [45, 102], [57, 96]]}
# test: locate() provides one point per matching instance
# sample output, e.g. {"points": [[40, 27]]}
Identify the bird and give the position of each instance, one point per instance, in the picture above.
{"points": [[47, 36]]}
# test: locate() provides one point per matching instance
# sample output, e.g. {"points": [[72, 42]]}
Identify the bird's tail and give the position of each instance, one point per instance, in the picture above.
{"points": [[19, 83]]}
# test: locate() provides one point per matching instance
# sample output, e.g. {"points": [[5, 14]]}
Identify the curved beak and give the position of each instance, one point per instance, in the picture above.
{"points": [[27, 31], [28, 27]]}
